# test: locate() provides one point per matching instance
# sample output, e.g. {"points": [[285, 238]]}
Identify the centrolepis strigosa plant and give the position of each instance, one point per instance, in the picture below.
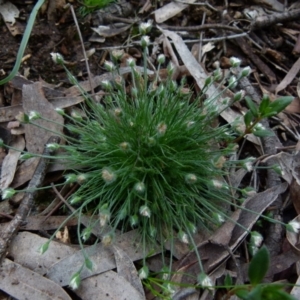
{"points": [[152, 158]]}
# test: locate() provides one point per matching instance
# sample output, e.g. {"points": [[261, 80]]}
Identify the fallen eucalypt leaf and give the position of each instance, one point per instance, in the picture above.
{"points": [[149, 156]]}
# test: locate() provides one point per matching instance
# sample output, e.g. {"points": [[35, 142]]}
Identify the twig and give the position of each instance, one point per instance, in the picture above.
{"points": [[266, 21], [25, 207], [202, 27], [83, 49], [270, 144]]}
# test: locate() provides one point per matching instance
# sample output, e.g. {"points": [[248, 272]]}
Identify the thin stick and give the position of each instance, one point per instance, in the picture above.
{"points": [[7, 235], [83, 49]]}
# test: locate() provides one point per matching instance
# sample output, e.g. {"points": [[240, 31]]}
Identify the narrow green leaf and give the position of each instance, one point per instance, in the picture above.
{"points": [[256, 293], [228, 280], [269, 113], [252, 106], [242, 294], [259, 266], [265, 102], [281, 103], [248, 118], [263, 133], [275, 292]]}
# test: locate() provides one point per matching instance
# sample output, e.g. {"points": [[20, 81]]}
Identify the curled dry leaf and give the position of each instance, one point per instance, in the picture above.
{"points": [[293, 237], [10, 162], [170, 10]]}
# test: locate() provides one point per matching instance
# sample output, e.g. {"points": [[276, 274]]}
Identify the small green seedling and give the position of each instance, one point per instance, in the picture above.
{"points": [[257, 290], [89, 6]]}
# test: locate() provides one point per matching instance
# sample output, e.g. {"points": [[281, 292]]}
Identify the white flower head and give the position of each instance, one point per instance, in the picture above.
{"points": [[108, 175], [124, 146], [235, 62], [217, 183], [109, 66], [161, 128], [152, 231], [117, 54], [219, 218], [190, 178], [190, 124], [239, 95], [71, 178], [76, 115], [145, 41], [144, 272], [75, 199], [245, 72], [183, 237], [130, 62], [256, 239], [205, 281], [248, 164], [145, 211], [278, 169], [161, 59], [117, 112], [232, 82], [133, 220], [106, 84], [104, 217], [34, 115], [44, 248], [145, 27], [293, 226], [139, 187], [107, 239], [75, 281], [192, 228], [57, 58], [8, 193], [170, 288], [217, 74], [86, 234], [60, 111], [53, 146], [170, 68], [81, 178]]}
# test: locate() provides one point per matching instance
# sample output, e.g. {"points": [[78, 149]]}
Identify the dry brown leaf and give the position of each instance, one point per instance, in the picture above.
{"points": [[32, 259], [10, 162], [101, 256], [170, 10], [22, 283], [36, 137], [34, 100], [107, 31], [126, 269], [108, 286], [63, 235], [292, 73]]}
